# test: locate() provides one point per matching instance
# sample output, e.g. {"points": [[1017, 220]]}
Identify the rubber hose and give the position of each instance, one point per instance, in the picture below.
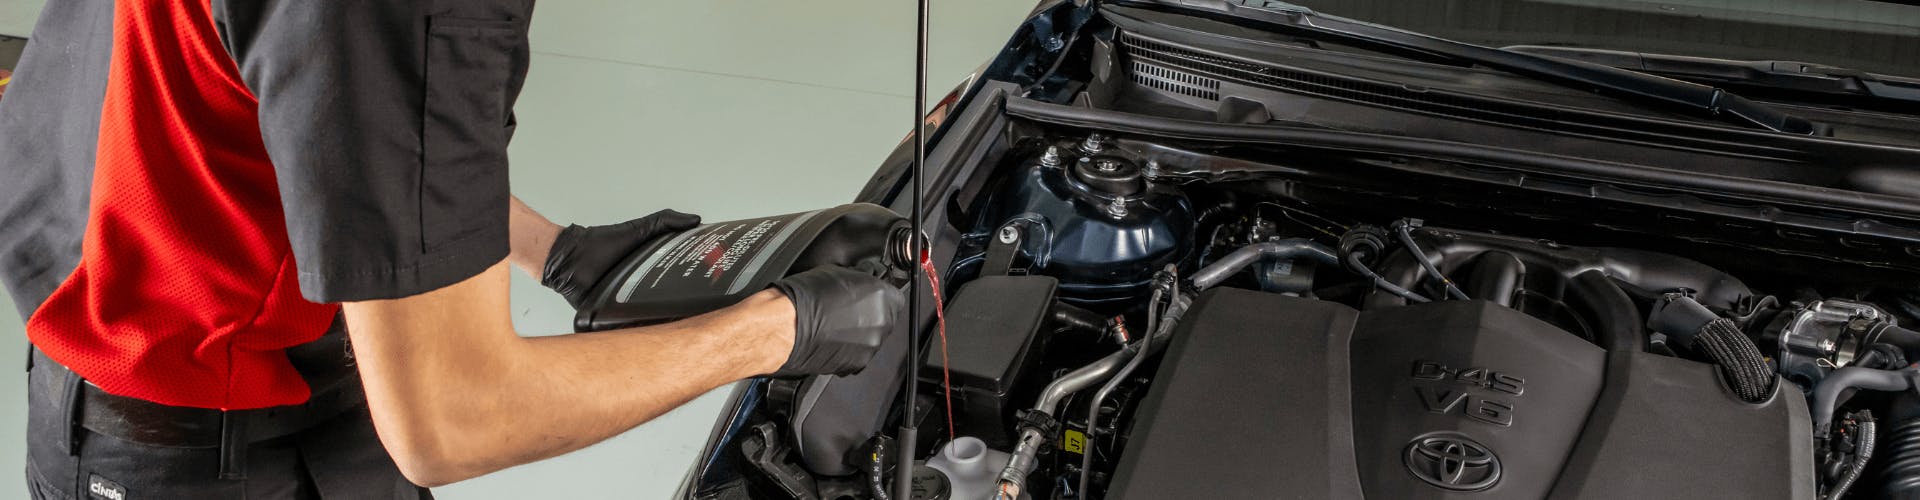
{"points": [[1073, 317], [1354, 264], [1826, 396], [1609, 314], [1906, 340], [1288, 249], [1862, 453], [1405, 233], [1901, 473]]}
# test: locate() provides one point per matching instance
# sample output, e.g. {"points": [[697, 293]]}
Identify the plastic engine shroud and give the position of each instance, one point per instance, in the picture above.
{"points": [[1262, 393]]}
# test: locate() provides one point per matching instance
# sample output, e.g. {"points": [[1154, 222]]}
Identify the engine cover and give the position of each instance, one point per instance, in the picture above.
{"points": [[1263, 396]]}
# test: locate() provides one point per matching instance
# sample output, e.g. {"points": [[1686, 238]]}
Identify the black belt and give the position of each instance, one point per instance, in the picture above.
{"points": [[336, 389]]}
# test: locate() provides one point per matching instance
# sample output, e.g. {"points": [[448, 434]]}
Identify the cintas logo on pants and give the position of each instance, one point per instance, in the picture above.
{"points": [[99, 488]]}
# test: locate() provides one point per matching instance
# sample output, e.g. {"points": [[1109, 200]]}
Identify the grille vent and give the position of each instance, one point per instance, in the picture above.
{"points": [[1175, 81]]}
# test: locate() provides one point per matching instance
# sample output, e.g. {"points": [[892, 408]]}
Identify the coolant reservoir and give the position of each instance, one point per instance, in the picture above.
{"points": [[716, 265]]}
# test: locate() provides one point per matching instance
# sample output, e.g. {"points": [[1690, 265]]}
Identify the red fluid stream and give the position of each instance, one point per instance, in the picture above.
{"points": [[940, 316]]}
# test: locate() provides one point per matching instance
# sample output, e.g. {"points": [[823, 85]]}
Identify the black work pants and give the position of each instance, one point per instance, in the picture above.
{"points": [[338, 458]]}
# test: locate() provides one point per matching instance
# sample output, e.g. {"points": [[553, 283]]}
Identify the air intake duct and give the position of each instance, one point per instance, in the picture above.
{"points": [[1901, 474], [1693, 326]]}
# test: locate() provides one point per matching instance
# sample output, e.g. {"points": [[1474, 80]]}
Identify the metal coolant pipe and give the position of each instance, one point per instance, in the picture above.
{"points": [[1032, 440]]}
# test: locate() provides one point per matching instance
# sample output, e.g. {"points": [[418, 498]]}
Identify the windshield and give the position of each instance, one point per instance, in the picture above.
{"points": [[1872, 36]]}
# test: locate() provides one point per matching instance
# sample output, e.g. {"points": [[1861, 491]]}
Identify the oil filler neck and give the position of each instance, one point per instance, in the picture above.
{"points": [[901, 254]]}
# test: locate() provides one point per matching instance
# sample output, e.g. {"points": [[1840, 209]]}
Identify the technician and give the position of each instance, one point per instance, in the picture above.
{"points": [[257, 240]]}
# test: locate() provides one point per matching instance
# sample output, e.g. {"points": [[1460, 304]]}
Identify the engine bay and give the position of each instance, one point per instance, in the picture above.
{"points": [[1139, 309], [1116, 329]]}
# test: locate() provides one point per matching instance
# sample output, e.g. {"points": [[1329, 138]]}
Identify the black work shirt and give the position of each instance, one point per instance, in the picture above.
{"points": [[386, 121]]}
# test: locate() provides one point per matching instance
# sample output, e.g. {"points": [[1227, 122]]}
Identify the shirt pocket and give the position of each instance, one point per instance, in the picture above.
{"points": [[471, 67]]}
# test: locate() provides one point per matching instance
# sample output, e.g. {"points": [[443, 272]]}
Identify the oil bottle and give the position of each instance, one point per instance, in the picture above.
{"points": [[716, 265]]}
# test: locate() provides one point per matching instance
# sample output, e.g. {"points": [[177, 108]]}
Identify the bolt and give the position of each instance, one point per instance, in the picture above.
{"points": [[1051, 158], [1009, 234], [1106, 165], [1118, 208], [1054, 43], [1093, 143]]}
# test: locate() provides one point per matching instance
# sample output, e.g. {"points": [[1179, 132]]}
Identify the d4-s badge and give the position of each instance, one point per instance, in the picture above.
{"points": [[1441, 389]]}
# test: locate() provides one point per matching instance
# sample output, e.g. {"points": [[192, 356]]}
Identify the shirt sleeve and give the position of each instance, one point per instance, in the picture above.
{"points": [[387, 123]]}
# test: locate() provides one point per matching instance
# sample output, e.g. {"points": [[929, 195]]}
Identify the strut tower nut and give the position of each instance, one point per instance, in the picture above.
{"points": [[1093, 144], [1051, 158]]}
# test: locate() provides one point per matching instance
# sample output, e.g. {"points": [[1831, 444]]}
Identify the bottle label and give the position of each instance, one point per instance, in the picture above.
{"points": [[715, 258]]}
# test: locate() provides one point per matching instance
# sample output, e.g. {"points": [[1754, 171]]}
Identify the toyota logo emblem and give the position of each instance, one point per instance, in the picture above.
{"points": [[1451, 461]]}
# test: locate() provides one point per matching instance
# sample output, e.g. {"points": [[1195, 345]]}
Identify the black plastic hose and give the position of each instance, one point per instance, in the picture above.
{"points": [[1901, 473]]}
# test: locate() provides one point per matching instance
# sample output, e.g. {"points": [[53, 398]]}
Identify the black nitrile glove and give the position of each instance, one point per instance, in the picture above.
{"points": [[582, 256], [840, 317]]}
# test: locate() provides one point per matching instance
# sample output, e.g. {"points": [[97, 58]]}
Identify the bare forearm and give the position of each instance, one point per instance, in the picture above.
{"points": [[614, 381], [453, 410], [530, 236]]}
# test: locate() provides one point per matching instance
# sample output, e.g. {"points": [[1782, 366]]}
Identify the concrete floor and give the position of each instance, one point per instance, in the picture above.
{"points": [[726, 108]]}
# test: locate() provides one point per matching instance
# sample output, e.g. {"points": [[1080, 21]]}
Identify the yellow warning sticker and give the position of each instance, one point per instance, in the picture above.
{"points": [[1075, 442]]}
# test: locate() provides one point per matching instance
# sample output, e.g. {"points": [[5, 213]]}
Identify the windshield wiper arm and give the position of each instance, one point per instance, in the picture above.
{"points": [[1789, 75], [1705, 100]]}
